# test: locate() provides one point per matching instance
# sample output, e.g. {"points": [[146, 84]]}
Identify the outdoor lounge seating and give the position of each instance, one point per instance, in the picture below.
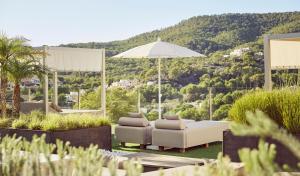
{"points": [[182, 135], [134, 129]]}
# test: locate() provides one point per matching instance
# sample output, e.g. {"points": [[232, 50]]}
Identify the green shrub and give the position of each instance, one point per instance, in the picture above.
{"points": [[221, 112], [20, 123], [35, 124], [5, 122], [280, 105], [52, 122], [190, 113], [57, 122], [152, 115]]}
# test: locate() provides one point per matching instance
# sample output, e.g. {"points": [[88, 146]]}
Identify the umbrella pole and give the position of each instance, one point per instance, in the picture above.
{"points": [[159, 90], [139, 101]]}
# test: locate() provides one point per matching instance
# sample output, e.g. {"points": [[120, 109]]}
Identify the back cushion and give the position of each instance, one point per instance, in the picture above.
{"points": [[171, 117], [135, 115], [170, 124], [134, 122]]}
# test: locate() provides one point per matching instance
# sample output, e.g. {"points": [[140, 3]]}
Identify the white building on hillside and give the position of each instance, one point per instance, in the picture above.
{"points": [[125, 83], [239, 52]]}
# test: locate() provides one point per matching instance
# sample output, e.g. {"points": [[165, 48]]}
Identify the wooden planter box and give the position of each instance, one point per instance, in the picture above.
{"points": [[232, 143], [83, 137]]}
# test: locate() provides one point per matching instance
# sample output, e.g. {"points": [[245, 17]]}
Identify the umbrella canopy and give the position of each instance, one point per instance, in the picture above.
{"points": [[159, 50]]}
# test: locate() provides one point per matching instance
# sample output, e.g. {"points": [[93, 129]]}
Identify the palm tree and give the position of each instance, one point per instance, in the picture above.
{"points": [[10, 49], [19, 69]]}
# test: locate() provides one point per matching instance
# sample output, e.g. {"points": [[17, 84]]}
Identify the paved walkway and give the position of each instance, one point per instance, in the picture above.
{"points": [[71, 111]]}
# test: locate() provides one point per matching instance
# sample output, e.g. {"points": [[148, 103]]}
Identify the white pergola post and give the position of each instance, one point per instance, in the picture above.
{"points": [[103, 85], [159, 89], [46, 98], [55, 88], [139, 101], [46, 94], [267, 62], [210, 104], [29, 94]]}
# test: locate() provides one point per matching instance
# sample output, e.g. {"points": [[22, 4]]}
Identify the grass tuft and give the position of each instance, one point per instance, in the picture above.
{"points": [[282, 106]]}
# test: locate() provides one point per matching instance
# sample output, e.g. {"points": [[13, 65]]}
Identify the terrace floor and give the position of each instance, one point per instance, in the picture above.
{"points": [[196, 152]]}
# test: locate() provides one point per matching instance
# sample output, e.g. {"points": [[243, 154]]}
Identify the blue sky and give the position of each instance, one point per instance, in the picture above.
{"points": [[54, 22]]}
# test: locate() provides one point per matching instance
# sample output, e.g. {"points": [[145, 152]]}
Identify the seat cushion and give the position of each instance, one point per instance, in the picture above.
{"points": [[134, 122], [135, 115], [138, 135]]}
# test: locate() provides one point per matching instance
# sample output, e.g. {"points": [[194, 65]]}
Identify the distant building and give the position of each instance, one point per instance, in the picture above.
{"points": [[124, 84], [239, 52], [10, 85], [150, 83], [73, 96], [31, 82], [259, 53], [226, 56]]}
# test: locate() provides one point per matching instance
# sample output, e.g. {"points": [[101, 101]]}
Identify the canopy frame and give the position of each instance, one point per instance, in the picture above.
{"points": [[55, 85]]}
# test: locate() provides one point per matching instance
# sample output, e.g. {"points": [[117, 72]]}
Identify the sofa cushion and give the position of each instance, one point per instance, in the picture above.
{"points": [[171, 117], [135, 122], [169, 124], [135, 115]]}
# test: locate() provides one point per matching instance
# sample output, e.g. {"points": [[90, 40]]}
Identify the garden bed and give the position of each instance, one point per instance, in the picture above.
{"points": [[232, 143], [81, 130], [83, 137]]}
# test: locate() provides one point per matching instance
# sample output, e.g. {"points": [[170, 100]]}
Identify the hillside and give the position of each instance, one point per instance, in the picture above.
{"points": [[207, 34], [186, 81]]}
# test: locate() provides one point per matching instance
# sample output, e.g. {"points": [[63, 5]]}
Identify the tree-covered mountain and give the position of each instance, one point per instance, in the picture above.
{"points": [[186, 81], [207, 34]]}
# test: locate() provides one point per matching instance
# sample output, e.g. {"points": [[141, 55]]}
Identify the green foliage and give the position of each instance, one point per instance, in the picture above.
{"points": [[152, 115], [193, 92], [222, 112], [261, 161], [90, 100], [222, 167], [19, 124], [118, 102], [280, 105], [5, 122], [52, 122], [90, 161], [35, 158], [150, 92], [190, 113], [56, 122], [62, 99]]}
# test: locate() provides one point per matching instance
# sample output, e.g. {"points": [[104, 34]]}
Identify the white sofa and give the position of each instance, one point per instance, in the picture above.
{"points": [[178, 134]]}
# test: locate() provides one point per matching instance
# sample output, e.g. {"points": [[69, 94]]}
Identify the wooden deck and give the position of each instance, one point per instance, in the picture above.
{"points": [[152, 162]]}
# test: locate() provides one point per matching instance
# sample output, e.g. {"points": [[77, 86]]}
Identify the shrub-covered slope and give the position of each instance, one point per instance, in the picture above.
{"points": [[207, 34]]}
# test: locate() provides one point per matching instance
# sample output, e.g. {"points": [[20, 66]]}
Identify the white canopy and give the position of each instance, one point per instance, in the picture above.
{"points": [[285, 54], [281, 51], [159, 49], [74, 59]]}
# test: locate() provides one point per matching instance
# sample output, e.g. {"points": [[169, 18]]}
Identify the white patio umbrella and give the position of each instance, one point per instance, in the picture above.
{"points": [[159, 50]]}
